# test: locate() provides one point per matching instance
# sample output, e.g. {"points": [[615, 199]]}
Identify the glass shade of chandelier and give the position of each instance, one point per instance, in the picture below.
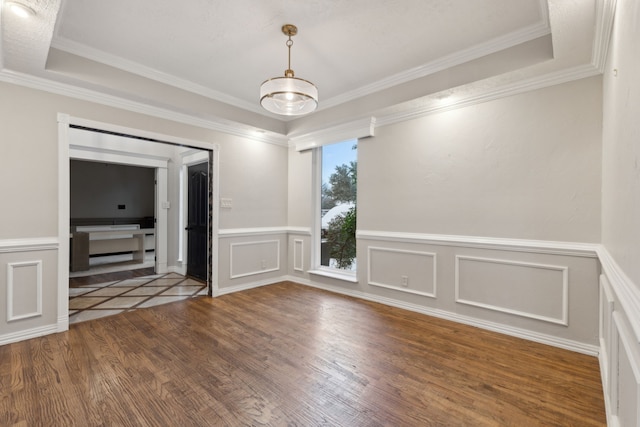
{"points": [[289, 95]]}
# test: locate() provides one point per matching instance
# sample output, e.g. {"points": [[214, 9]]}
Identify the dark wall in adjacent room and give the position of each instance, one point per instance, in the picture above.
{"points": [[101, 190]]}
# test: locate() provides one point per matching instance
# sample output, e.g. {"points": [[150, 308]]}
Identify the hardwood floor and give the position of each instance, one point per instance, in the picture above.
{"points": [[290, 355]]}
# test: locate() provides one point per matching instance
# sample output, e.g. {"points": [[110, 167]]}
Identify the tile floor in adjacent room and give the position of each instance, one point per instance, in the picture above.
{"points": [[95, 300]]}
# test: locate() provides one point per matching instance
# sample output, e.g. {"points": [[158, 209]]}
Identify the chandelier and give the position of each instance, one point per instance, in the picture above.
{"points": [[288, 95]]}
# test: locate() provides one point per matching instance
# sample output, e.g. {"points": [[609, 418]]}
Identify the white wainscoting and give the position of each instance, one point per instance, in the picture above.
{"points": [[625, 393], [24, 290], [525, 289], [402, 270], [606, 334], [544, 291], [251, 258], [298, 255], [28, 288], [619, 344]]}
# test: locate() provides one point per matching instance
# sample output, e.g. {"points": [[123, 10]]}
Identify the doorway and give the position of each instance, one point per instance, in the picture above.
{"points": [[112, 143], [198, 221]]}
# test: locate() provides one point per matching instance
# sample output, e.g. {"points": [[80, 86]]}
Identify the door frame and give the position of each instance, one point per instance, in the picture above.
{"points": [[188, 159], [64, 153]]}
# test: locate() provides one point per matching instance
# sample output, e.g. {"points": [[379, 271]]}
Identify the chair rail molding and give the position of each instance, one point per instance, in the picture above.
{"points": [[255, 231], [29, 244], [515, 245]]}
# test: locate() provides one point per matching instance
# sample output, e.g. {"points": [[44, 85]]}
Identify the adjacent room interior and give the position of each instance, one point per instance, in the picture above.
{"points": [[109, 200], [115, 193], [433, 220]]}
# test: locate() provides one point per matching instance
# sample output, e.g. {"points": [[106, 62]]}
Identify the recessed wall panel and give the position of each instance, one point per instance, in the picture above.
{"points": [[250, 258], [402, 270], [531, 290], [24, 290]]}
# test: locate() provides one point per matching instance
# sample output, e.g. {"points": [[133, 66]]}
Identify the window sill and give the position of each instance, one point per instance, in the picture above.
{"points": [[347, 277]]}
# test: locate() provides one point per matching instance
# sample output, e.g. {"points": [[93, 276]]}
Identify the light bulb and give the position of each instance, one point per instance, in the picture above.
{"points": [[20, 9]]}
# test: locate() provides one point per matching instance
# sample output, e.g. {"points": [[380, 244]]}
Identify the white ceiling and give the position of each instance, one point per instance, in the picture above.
{"points": [[206, 59]]}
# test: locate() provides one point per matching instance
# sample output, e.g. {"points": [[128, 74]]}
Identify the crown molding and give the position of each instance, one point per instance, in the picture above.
{"points": [[539, 29], [133, 67], [490, 94], [469, 54], [605, 14], [139, 107], [356, 129]]}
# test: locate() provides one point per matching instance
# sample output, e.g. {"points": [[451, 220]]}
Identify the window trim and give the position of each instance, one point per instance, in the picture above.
{"points": [[334, 273], [357, 129], [316, 182]]}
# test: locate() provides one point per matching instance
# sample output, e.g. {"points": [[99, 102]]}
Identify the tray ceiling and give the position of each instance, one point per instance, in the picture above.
{"points": [[207, 58]]}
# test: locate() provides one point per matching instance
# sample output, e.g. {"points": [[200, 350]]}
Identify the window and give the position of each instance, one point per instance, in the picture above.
{"points": [[338, 191]]}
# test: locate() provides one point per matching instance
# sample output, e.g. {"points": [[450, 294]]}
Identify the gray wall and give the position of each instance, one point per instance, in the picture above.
{"points": [[470, 205], [98, 188], [621, 144], [29, 181], [525, 166], [620, 282]]}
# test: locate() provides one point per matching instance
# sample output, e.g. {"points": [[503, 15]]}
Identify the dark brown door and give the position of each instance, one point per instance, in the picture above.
{"points": [[197, 221]]}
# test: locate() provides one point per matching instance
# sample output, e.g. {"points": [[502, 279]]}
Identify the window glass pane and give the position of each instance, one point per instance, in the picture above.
{"points": [[338, 204]]}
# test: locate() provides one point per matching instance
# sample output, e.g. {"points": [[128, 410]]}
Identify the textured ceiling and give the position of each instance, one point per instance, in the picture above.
{"points": [[208, 58], [231, 47]]}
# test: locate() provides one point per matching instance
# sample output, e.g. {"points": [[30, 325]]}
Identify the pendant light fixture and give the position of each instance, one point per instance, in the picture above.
{"points": [[289, 95]]}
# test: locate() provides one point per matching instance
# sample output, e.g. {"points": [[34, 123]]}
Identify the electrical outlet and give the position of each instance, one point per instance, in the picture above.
{"points": [[264, 264], [404, 281], [226, 203]]}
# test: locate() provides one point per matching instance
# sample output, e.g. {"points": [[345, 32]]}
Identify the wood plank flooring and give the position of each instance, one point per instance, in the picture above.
{"points": [[290, 355]]}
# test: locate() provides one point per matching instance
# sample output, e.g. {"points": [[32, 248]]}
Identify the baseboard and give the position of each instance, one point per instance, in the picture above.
{"points": [[63, 322], [591, 350], [177, 269], [246, 286], [28, 334]]}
